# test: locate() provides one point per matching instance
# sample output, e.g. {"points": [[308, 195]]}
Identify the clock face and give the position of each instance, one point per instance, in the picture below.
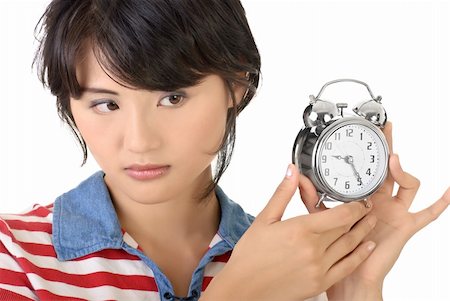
{"points": [[352, 160]]}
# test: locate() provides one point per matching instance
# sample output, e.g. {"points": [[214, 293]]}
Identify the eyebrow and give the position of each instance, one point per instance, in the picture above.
{"points": [[97, 90]]}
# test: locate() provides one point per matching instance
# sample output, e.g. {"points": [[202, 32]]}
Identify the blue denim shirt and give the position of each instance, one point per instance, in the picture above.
{"points": [[85, 221]]}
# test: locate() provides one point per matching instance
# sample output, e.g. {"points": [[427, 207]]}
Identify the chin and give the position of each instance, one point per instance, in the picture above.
{"points": [[143, 192], [147, 196]]}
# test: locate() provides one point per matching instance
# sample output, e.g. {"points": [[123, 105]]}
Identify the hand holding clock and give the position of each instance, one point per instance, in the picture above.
{"points": [[329, 250], [395, 226], [296, 258]]}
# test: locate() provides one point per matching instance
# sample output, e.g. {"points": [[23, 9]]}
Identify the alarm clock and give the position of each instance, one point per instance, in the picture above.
{"points": [[344, 155]]}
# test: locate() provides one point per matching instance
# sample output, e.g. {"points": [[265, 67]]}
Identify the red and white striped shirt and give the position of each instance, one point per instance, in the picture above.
{"points": [[74, 249]]}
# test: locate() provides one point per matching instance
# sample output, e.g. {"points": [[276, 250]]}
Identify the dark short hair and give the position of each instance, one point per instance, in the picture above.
{"points": [[150, 44]]}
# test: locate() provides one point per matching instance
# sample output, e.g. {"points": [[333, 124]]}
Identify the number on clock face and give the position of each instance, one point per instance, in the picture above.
{"points": [[351, 159]]}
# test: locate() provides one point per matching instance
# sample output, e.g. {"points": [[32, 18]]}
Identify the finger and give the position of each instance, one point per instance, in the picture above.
{"points": [[431, 213], [346, 243], [348, 264], [408, 184], [387, 131], [308, 195], [342, 215], [388, 185], [280, 199]]}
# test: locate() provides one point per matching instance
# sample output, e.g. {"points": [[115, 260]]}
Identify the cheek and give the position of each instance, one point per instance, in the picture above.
{"points": [[98, 135], [206, 130], [195, 138]]}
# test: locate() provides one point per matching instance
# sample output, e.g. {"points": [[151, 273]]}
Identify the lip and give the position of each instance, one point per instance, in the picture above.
{"points": [[139, 167], [146, 172]]}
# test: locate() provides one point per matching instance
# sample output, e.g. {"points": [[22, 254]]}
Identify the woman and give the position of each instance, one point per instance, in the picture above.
{"points": [[153, 89]]}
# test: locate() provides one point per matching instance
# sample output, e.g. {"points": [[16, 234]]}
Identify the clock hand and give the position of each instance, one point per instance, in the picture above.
{"points": [[349, 160]]}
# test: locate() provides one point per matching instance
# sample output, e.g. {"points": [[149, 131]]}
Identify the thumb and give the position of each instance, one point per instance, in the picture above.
{"points": [[280, 199], [309, 196]]}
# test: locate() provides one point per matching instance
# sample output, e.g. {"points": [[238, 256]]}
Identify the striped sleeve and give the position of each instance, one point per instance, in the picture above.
{"points": [[11, 296], [14, 284]]}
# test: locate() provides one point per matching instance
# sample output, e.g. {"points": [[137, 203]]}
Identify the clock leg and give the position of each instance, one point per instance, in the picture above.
{"points": [[366, 203], [321, 199]]}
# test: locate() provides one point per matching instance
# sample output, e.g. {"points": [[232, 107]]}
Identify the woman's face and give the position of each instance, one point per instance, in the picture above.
{"points": [[122, 127]]}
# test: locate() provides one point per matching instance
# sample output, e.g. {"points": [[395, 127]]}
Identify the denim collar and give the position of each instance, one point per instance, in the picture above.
{"points": [[85, 221]]}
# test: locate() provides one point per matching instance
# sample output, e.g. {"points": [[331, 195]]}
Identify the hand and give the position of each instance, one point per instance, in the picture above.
{"points": [[296, 258], [395, 226]]}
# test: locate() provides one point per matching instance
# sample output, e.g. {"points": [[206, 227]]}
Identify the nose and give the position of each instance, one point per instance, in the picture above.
{"points": [[141, 134]]}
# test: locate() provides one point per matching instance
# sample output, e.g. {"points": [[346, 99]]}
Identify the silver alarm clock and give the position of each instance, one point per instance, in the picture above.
{"points": [[345, 157]]}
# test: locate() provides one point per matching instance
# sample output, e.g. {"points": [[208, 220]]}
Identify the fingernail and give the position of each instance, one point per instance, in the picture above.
{"points": [[370, 246], [446, 196], [372, 221], [289, 171]]}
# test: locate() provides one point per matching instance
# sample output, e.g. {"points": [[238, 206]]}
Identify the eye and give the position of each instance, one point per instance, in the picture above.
{"points": [[105, 106], [172, 100]]}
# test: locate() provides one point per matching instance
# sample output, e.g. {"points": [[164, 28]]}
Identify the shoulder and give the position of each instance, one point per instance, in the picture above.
{"points": [[37, 218], [20, 233]]}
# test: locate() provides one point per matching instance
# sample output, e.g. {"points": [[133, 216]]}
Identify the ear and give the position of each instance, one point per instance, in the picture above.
{"points": [[239, 90]]}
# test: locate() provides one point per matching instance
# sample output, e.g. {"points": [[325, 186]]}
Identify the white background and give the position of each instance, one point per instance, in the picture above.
{"points": [[400, 48]]}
